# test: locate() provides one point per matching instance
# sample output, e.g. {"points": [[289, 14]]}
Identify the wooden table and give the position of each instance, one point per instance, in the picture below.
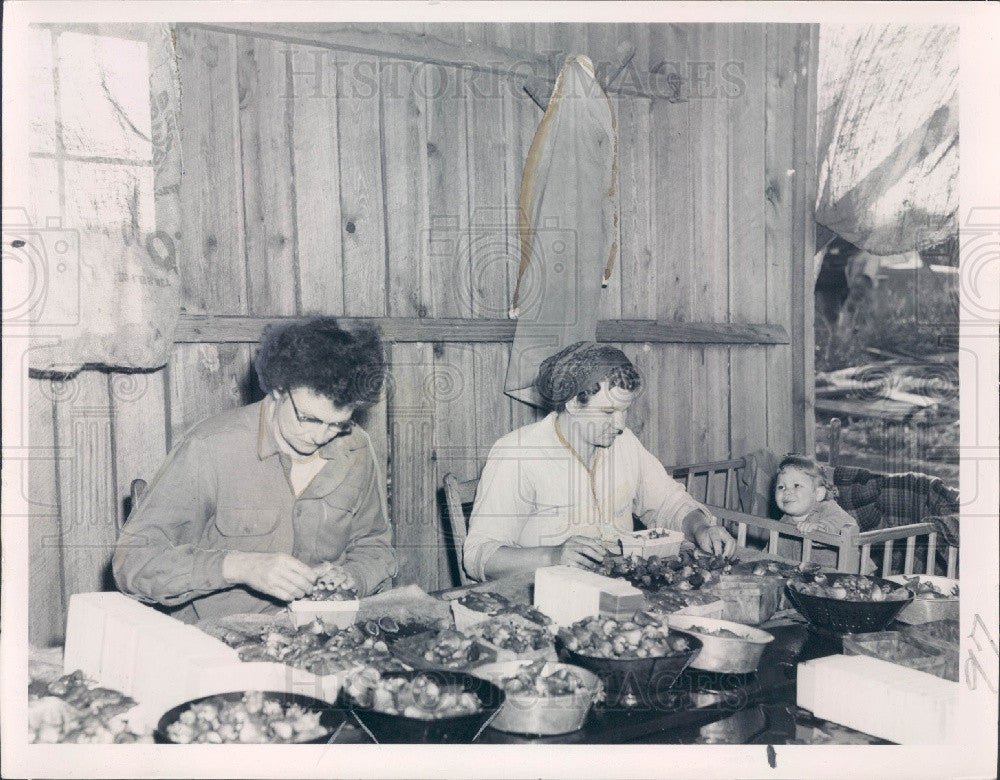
{"points": [[760, 708]]}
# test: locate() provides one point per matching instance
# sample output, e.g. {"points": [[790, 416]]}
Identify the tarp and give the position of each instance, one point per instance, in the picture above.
{"points": [[99, 241], [568, 221], [887, 135]]}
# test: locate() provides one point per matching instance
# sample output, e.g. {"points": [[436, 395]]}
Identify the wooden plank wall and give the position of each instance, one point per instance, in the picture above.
{"points": [[324, 178]]}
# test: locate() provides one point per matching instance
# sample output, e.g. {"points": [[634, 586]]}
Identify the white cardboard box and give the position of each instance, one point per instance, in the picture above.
{"points": [[662, 542], [567, 594], [338, 614], [880, 698]]}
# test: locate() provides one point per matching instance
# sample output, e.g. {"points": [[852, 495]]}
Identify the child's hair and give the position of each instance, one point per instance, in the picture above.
{"points": [[809, 466]]}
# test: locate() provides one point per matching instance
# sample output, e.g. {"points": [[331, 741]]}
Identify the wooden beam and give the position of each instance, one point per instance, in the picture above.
{"points": [[426, 48], [222, 329]]}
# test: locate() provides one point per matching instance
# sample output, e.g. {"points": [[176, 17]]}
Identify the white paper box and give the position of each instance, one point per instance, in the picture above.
{"points": [[119, 654], [338, 614], [880, 698], [567, 594], [645, 544], [84, 635]]}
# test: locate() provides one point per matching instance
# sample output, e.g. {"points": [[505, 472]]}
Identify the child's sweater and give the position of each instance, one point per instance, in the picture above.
{"points": [[832, 519], [828, 514]]}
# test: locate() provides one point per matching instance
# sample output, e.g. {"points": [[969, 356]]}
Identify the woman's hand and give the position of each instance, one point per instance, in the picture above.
{"points": [[275, 574], [583, 552], [715, 539]]}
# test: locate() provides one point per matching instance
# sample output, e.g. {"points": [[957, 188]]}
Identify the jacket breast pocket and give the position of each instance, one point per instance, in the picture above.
{"points": [[236, 523]]}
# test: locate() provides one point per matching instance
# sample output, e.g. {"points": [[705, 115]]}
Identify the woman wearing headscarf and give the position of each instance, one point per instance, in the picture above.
{"points": [[560, 490]]}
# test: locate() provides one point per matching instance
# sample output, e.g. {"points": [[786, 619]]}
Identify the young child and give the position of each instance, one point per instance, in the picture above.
{"points": [[807, 498]]}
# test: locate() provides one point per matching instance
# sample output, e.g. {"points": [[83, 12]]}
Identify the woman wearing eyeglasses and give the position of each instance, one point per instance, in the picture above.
{"points": [[253, 503]]}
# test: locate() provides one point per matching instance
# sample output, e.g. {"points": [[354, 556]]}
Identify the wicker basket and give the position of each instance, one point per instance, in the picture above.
{"points": [[847, 617]]}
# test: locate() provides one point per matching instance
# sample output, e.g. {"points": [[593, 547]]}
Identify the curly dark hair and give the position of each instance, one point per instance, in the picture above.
{"points": [[346, 366], [578, 371]]}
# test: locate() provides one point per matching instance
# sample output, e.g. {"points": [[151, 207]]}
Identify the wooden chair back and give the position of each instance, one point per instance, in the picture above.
{"points": [[714, 483], [459, 497]]}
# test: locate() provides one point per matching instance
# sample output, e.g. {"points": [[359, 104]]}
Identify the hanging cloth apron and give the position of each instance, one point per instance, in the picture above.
{"points": [[568, 222]]}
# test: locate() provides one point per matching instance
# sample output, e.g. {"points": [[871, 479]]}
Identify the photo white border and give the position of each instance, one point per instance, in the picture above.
{"points": [[980, 174]]}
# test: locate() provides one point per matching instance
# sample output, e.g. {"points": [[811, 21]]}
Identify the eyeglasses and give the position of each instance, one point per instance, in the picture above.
{"points": [[340, 427]]}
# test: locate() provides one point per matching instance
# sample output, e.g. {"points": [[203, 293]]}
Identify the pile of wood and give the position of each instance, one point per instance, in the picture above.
{"points": [[899, 388]]}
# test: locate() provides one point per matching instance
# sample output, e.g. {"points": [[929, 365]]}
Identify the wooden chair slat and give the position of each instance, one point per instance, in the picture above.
{"points": [[458, 495], [887, 558], [911, 546]]}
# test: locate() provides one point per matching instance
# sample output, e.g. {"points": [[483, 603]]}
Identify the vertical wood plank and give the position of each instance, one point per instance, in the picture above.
{"points": [[268, 197], [359, 127], [203, 380], [493, 253], [676, 445], [86, 483], [742, 84], [779, 111], [375, 421], [448, 175], [710, 271], [598, 42], [931, 554], [37, 482], [492, 196], [404, 139], [543, 37], [805, 46], [492, 406], [312, 96], [672, 185], [570, 38], [139, 429], [644, 413], [517, 36], [213, 277], [911, 545], [413, 500], [477, 33], [456, 417], [638, 268], [672, 180]]}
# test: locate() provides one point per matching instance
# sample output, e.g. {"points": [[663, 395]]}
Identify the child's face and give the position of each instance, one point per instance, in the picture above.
{"points": [[796, 493]]}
